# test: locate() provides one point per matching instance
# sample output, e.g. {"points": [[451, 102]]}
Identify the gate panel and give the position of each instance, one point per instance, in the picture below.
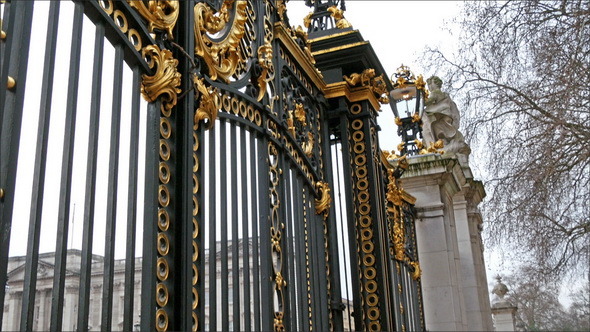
{"points": [[61, 290]]}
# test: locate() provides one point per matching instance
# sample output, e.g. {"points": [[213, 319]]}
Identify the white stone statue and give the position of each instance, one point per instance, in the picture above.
{"points": [[441, 121]]}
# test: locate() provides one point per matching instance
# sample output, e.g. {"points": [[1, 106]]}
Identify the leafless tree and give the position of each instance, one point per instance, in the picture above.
{"points": [[521, 75], [539, 308]]}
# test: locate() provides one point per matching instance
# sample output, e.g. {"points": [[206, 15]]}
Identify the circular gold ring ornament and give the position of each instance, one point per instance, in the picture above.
{"points": [[162, 268], [195, 322], [164, 150], [163, 195], [195, 299], [120, 20], [359, 147], [161, 294], [165, 128], [163, 220], [161, 320], [370, 273], [135, 39], [107, 6], [163, 244], [357, 124], [164, 172]]}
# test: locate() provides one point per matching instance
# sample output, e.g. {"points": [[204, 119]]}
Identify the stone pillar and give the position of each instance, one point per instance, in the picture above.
{"points": [[468, 221], [434, 181], [502, 310]]}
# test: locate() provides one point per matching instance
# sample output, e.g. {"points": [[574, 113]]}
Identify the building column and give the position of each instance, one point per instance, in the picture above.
{"points": [[434, 181]]}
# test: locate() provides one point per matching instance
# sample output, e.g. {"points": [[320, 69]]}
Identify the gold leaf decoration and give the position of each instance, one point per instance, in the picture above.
{"points": [[221, 56], [300, 113], [265, 62], [208, 104], [308, 146], [417, 271], [160, 14], [166, 79], [338, 15], [322, 205]]}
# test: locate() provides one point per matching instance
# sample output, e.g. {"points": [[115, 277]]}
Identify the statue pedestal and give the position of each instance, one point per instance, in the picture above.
{"points": [[504, 317], [449, 243]]}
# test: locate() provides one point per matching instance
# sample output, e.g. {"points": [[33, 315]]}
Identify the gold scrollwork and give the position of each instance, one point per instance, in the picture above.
{"points": [[166, 79], [209, 104], [290, 124], [160, 14], [433, 147], [338, 15], [322, 205], [265, 62], [221, 56]]}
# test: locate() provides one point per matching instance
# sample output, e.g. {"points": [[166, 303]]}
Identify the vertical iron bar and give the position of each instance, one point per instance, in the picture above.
{"points": [[224, 230], [148, 275], [31, 263], [212, 185], [255, 203], [332, 235], [132, 205], [235, 234], [289, 255], [57, 301], [266, 299], [245, 223], [89, 203], [300, 256], [109, 254], [18, 32]]}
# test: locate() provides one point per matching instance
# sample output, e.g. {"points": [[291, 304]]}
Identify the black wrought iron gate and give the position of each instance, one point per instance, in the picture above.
{"points": [[251, 127]]}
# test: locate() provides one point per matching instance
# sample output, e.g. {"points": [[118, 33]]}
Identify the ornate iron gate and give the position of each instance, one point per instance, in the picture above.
{"points": [[240, 230]]}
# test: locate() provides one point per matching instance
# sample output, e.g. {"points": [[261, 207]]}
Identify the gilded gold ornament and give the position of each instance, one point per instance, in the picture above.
{"points": [[308, 146], [300, 113], [166, 79], [322, 205], [265, 62], [209, 103], [417, 271], [221, 56], [160, 14], [338, 15], [290, 124]]}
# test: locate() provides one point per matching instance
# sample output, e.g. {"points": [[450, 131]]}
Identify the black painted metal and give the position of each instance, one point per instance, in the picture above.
{"points": [[17, 26], [132, 206], [30, 278], [90, 199], [109, 257], [57, 301], [236, 223]]}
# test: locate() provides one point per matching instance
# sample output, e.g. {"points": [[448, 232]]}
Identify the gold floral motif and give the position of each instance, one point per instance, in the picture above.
{"points": [[208, 103], [322, 205], [394, 194], [338, 15], [161, 14], [300, 113], [416, 117], [166, 79], [221, 56], [265, 62]]}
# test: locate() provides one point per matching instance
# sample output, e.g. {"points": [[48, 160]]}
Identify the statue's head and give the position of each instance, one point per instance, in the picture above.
{"points": [[434, 83]]}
